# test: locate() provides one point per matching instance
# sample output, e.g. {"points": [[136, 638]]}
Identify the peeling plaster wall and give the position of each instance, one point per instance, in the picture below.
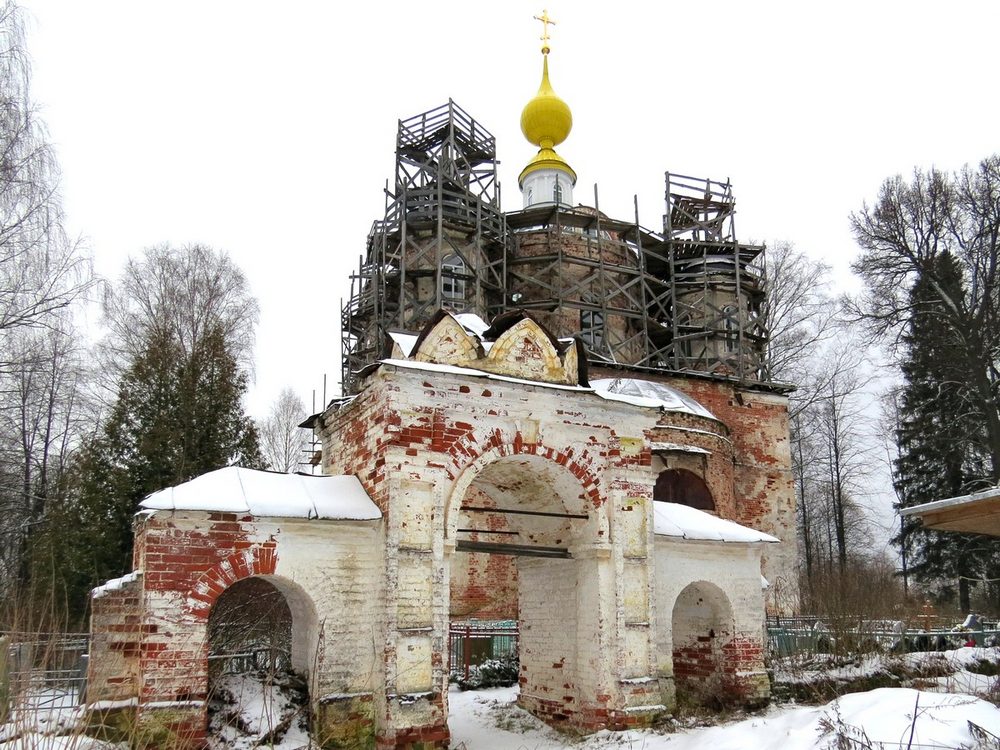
{"points": [[751, 479], [115, 625], [548, 602]]}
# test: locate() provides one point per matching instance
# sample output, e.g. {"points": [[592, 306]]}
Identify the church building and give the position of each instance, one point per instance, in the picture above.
{"points": [[549, 415]]}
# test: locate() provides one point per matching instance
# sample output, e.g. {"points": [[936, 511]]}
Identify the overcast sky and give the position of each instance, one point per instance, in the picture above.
{"points": [[267, 130]]}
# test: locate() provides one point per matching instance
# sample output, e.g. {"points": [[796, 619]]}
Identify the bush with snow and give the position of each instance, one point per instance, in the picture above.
{"points": [[502, 672]]}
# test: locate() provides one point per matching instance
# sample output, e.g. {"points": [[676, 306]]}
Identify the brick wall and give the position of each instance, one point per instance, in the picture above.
{"points": [[113, 667]]}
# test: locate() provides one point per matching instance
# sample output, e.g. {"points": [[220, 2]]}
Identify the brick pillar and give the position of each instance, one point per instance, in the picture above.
{"points": [[414, 712], [599, 700], [643, 696]]}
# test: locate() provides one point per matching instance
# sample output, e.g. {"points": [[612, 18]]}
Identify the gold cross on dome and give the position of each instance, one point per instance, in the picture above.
{"points": [[544, 18]]}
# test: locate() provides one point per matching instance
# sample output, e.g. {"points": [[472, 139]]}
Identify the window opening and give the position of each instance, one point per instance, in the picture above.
{"points": [[683, 487], [453, 280], [730, 322], [592, 328]]}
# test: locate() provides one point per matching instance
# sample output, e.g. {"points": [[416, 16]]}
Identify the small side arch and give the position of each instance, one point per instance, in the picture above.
{"points": [[260, 562], [702, 626]]}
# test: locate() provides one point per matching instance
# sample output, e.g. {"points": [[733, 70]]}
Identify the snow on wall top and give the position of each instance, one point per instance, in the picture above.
{"points": [[656, 446], [404, 341], [647, 393], [266, 493], [115, 584], [676, 520], [409, 364]]}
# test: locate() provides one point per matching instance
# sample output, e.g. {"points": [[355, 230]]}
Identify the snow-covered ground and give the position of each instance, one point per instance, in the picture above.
{"points": [[488, 720], [250, 713], [947, 693]]}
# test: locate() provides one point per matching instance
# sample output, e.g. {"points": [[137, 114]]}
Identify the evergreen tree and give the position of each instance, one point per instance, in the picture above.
{"points": [[177, 414], [943, 445]]}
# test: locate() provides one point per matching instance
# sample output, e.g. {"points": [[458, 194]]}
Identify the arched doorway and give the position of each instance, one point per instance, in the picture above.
{"points": [[259, 630], [701, 627], [536, 516], [249, 629]]}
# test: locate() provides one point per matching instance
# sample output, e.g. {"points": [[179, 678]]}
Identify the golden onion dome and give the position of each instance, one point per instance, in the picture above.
{"points": [[546, 120]]}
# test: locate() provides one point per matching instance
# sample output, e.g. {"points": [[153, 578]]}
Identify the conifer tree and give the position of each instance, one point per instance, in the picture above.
{"points": [[943, 446]]}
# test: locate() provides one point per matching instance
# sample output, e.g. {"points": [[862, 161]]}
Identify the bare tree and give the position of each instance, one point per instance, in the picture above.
{"points": [[182, 295], [842, 431], [832, 447], [41, 421], [282, 442], [41, 270], [42, 275], [800, 314], [808, 476]]}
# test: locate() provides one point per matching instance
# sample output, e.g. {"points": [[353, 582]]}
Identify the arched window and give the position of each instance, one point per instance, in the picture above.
{"points": [[731, 323], [683, 487], [684, 329], [557, 192], [453, 280], [592, 323]]}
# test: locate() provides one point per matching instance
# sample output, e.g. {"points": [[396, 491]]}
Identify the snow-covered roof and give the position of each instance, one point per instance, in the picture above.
{"points": [[472, 323], [676, 520], [267, 493], [648, 393], [668, 398]]}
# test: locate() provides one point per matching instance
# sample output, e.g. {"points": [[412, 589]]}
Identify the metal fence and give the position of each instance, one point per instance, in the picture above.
{"points": [[476, 641], [267, 659], [42, 670], [875, 636]]}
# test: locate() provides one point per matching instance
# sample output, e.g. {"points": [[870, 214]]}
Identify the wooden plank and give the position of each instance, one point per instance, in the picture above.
{"points": [[518, 512], [514, 550]]}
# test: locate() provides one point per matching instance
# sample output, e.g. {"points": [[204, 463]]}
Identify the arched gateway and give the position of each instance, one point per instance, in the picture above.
{"points": [[478, 442], [545, 512]]}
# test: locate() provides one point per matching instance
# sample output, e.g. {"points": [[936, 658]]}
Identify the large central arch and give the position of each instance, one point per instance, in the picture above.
{"points": [[544, 513]]}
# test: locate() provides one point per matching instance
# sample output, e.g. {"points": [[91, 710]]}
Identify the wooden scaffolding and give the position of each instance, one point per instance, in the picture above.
{"points": [[689, 299], [441, 243], [582, 273], [707, 308]]}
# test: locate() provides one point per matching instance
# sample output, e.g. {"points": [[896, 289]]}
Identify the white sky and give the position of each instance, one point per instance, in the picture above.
{"points": [[268, 130]]}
